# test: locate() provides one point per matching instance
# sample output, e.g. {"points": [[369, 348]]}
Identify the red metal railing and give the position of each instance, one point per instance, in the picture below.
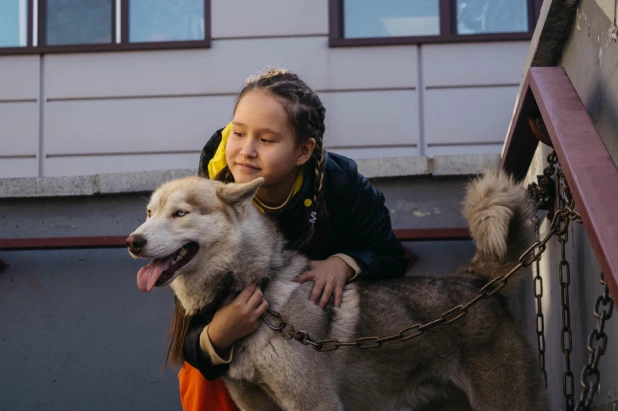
{"points": [[590, 171]]}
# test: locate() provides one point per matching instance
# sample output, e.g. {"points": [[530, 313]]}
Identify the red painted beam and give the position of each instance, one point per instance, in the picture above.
{"points": [[56, 243], [118, 241], [590, 171], [432, 234]]}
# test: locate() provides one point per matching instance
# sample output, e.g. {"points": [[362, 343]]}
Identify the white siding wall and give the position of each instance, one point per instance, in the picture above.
{"points": [[131, 111], [19, 116]]}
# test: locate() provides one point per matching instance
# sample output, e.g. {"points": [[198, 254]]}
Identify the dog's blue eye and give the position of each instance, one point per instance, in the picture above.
{"points": [[180, 213]]}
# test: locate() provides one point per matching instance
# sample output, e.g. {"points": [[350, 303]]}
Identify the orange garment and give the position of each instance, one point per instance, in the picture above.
{"points": [[199, 394]]}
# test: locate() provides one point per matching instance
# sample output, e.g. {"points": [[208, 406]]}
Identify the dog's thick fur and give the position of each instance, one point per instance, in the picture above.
{"points": [[480, 362]]}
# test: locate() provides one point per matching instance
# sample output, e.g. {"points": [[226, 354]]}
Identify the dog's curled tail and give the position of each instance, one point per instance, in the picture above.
{"points": [[499, 214]]}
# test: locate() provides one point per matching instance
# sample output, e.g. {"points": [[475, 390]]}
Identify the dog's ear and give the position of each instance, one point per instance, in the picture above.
{"points": [[236, 194]]}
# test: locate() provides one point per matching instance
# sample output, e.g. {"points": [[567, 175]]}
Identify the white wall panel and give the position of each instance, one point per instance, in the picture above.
{"points": [[474, 63], [468, 115], [224, 67], [371, 118], [19, 77], [18, 167], [242, 18], [134, 125], [76, 166], [19, 128]]}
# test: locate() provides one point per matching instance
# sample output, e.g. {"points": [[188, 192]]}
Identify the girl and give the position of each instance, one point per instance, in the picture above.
{"points": [[323, 207]]}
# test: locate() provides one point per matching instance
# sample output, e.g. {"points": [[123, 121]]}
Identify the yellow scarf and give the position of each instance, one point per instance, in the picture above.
{"points": [[218, 163]]}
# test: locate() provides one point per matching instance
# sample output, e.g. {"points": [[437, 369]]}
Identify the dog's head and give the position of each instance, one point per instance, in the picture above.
{"points": [[189, 224]]}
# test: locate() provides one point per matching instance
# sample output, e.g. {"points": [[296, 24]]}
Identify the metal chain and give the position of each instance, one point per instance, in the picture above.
{"points": [[538, 294], [597, 343], [532, 254], [564, 271]]}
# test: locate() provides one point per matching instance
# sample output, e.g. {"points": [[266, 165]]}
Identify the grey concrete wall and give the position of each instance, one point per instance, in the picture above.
{"points": [[590, 58], [76, 332], [583, 292]]}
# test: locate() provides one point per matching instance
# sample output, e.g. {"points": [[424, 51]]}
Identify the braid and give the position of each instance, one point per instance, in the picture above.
{"points": [[306, 113]]}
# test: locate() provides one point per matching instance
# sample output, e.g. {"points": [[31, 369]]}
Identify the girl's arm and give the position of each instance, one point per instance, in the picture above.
{"points": [[370, 238]]}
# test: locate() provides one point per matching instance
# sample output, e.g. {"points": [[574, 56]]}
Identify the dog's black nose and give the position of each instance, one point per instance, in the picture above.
{"points": [[135, 243]]}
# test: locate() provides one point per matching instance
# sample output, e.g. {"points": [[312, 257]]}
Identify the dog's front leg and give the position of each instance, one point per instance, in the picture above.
{"points": [[301, 380]]}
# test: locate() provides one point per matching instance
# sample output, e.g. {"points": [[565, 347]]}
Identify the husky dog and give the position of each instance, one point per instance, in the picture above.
{"points": [[199, 232]]}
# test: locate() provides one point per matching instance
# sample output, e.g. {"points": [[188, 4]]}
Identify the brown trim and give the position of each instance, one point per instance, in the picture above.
{"points": [[30, 20], [207, 22], [113, 19], [432, 234], [41, 24], [55, 243], [448, 30], [88, 48], [124, 45], [335, 21], [400, 41], [446, 13], [124, 21], [585, 161], [119, 241]]}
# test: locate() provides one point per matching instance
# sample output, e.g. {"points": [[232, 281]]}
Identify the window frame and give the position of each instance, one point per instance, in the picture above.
{"points": [[448, 28], [122, 45]]}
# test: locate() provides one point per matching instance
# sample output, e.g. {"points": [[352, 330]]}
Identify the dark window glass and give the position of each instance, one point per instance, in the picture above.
{"points": [[391, 18], [492, 16], [166, 20], [79, 22]]}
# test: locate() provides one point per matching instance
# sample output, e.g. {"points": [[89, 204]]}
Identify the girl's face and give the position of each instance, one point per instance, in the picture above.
{"points": [[262, 143]]}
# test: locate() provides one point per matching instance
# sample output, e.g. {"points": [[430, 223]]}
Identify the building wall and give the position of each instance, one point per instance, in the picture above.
{"points": [[590, 58], [85, 113]]}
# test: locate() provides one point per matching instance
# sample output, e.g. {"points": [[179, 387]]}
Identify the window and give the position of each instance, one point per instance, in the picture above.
{"points": [[39, 26], [375, 22], [13, 23]]}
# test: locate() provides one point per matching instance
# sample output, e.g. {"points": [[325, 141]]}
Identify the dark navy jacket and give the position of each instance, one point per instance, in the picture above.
{"points": [[358, 225]]}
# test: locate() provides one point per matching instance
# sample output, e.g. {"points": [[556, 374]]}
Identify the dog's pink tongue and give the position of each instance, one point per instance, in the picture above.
{"points": [[147, 276]]}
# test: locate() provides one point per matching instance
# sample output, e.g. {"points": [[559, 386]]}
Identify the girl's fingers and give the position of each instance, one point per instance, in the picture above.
{"points": [[317, 290], [245, 294], [262, 308], [338, 292], [255, 299], [328, 289], [306, 276]]}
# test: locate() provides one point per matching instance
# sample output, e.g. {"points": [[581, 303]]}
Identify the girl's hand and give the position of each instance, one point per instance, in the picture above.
{"points": [[329, 277], [237, 318]]}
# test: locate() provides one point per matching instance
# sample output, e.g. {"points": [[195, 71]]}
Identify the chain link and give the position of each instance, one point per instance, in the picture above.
{"points": [[597, 343], [564, 271], [538, 295], [533, 254]]}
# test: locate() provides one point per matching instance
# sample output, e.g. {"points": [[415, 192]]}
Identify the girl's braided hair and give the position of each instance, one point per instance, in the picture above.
{"points": [[306, 114]]}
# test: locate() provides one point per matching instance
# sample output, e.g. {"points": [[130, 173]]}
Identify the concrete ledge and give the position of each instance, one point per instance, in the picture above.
{"points": [[147, 181]]}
